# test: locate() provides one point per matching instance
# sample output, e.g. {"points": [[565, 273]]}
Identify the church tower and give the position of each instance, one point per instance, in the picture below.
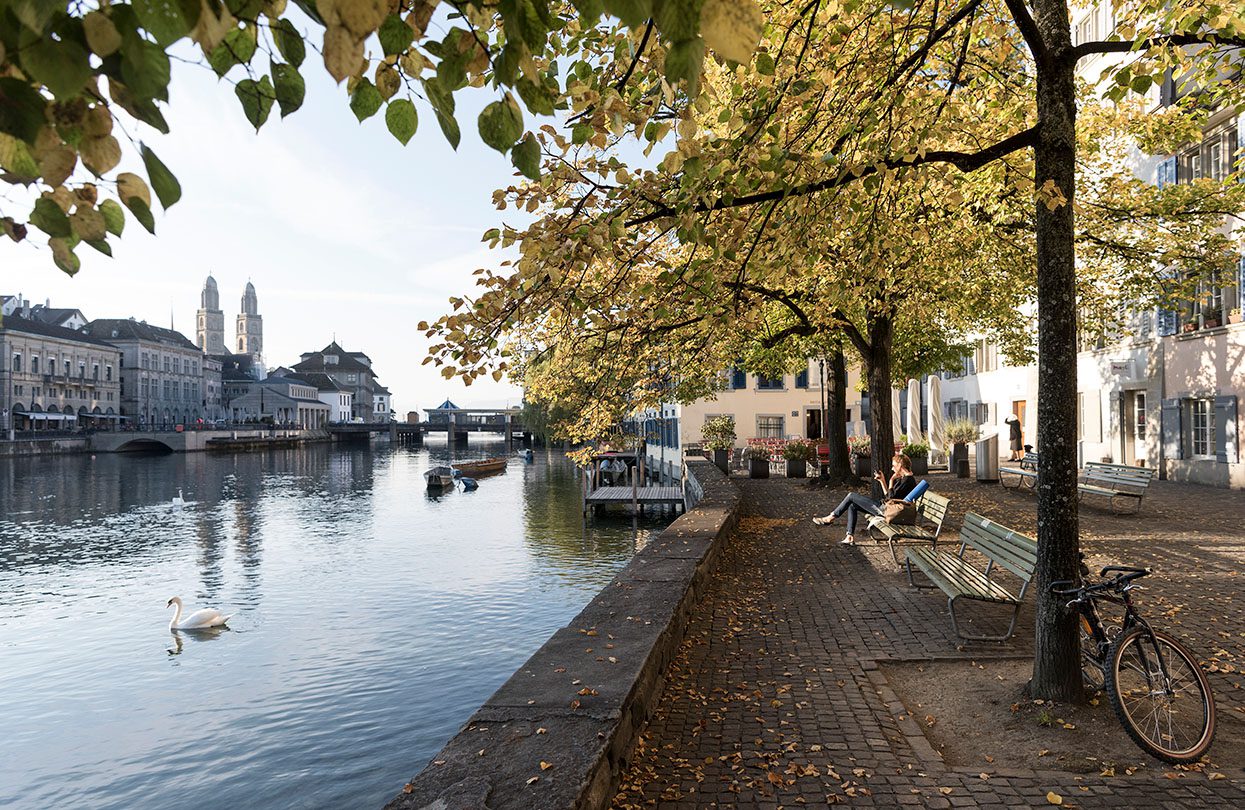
{"points": [[251, 327], [210, 325]]}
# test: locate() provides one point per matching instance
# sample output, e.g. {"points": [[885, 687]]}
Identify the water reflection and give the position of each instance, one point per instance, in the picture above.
{"points": [[370, 619]]}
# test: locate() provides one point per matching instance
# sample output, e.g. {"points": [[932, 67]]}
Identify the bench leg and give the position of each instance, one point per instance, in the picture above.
{"points": [[1133, 511], [1011, 627], [908, 564]]}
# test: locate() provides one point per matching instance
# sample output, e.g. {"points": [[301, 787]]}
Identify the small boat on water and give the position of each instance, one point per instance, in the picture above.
{"points": [[527, 456], [440, 477], [481, 468], [469, 484]]}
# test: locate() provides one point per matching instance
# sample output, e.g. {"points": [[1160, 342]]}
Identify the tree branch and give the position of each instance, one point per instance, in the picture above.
{"points": [[1126, 46], [964, 161], [1028, 28]]}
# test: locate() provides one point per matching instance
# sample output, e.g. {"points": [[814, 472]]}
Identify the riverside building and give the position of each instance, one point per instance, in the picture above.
{"points": [[162, 382]]}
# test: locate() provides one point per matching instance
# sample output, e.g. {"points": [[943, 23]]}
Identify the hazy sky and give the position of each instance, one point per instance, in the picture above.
{"points": [[342, 230]]}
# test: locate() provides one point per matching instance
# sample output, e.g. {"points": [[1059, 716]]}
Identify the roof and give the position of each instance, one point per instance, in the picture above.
{"points": [[114, 329], [380, 389], [322, 381], [54, 315], [445, 406], [12, 323], [345, 362]]}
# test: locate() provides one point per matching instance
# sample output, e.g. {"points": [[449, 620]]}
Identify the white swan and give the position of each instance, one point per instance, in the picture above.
{"points": [[199, 620], [178, 501]]}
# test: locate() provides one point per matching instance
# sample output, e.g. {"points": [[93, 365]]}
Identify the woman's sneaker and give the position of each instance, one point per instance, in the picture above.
{"points": [[848, 541]]}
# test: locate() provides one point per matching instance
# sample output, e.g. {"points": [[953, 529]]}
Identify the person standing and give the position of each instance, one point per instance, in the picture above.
{"points": [[900, 483], [1016, 438]]}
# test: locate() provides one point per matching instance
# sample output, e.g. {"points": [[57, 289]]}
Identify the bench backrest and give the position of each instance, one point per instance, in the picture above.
{"points": [[1029, 462], [932, 507], [1119, 474], [1014, 551]]}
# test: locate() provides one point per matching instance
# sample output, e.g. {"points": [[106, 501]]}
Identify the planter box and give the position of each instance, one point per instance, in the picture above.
{"points": [[920, 465], [862, 466], [959, 452], [797, 469], [1189, 327], [1234, 319], [722, 458], [1211, 324], [758, 468]]}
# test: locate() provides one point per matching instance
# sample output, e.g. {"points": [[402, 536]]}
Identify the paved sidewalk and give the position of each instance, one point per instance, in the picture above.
{"points": [[776, 699]]}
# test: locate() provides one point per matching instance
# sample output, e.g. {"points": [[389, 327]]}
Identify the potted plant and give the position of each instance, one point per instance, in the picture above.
{"points": [[960, 432], [758, 462], [718, 436], [918, 452], [1235, 315], [798, 453], [862, 452], [1210, 318], [1189, 327]]}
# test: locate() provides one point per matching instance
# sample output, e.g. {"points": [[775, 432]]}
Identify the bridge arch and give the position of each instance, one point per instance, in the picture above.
{"points": [[144, 446]]}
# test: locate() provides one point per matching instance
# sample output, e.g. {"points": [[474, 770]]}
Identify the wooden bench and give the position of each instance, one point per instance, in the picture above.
{"points": [[959, 578], [1116, 482], [1026, 472], [931, 509]]}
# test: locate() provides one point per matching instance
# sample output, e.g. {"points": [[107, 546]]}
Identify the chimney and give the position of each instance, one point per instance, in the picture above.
{"points": [[25, 308]]}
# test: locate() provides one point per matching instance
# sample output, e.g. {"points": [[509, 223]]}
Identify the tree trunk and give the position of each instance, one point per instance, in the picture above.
{"points": [[836, 416], [878, 369], [1056, 664]]}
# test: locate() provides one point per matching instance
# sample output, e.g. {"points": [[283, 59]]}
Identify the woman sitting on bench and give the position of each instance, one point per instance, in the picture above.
{"points": [[900, 484]]}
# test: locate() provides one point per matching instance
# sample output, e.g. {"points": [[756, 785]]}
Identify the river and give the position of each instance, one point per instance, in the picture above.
{"points": [[370, 619]]}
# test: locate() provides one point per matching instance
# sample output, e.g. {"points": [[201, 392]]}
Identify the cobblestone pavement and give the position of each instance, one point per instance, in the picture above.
{"points": [[776, 699]]}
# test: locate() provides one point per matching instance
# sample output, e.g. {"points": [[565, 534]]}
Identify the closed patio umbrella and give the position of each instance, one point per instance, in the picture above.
{"points": [[933, 417], [896, 420], [914, 412]]}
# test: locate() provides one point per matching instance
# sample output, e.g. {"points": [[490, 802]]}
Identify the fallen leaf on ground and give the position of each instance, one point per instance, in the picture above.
{"points": [[1054, 798]]}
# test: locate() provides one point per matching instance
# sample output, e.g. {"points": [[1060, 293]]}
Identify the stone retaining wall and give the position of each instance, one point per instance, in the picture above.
{"points": [[556, 733], [42, 447]]}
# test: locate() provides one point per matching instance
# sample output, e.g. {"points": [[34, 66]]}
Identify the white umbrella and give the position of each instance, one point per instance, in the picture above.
{"points": [[914, 411], [934, 414], [896, 421]]}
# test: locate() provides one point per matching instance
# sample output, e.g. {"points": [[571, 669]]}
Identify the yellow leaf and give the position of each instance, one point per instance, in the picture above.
{"points": [[100, 155], [732, 28], [1054, 798], [544, 766], [342, 52], [131, 185]]}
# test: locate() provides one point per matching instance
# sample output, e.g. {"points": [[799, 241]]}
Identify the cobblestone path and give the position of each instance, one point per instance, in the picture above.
{"points": [[776, 698]]}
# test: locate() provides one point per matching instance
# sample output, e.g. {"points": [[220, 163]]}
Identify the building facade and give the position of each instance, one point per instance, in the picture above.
{"points": [[281, 400], [350, 370], [56, 378], [382, 402], [161, 372]]}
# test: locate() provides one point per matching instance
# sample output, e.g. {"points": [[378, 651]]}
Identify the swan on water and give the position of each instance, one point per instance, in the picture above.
{"points": [[178, 501], [199, 620]]}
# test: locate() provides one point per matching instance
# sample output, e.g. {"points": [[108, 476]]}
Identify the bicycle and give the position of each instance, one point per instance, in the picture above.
{"points": [[1159, 693]]}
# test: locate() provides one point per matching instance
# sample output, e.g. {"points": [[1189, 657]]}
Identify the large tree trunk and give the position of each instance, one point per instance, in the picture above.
{"points": [[835, 416], [878, 368], [1056, 665]]}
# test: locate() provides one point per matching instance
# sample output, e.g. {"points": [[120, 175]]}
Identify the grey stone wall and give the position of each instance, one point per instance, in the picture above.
{"points": [[556, 734]]}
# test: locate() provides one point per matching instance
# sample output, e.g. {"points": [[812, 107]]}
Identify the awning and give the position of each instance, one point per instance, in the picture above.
{"points": [[52, 417]]}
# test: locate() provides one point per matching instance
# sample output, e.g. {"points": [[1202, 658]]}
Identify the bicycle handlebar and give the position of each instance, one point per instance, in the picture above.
{"points": [[1127, 574]]}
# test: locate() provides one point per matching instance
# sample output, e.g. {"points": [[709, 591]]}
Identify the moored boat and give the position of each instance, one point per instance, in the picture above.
{"points": [[439, 477], [481, 468]]}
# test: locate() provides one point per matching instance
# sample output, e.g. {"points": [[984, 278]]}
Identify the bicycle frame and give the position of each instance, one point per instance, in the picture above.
{"points": [[1087, 608]]}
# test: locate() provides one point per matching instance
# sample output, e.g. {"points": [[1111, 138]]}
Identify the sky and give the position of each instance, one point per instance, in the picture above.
{"points": [[345, 233]]}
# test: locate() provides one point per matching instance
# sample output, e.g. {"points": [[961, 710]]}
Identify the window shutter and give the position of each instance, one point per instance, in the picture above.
{"points": [[1166, 172], [1167, 324], [1225, 429], [738, 379], [801, 379], [1173, 433]]}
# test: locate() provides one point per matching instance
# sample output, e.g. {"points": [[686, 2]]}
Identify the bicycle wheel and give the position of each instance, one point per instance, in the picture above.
{"points": [[1091, 659], [1171, 717]]}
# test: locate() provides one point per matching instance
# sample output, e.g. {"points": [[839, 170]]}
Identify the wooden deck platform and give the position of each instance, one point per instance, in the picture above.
{"points": [[643, 495]]}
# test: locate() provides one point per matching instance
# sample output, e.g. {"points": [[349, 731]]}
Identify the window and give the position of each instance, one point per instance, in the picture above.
{"points": [[352, 378], [770, 427], [144, 386], [82, 371], [145, 361], [17, 362], [739, 379], [166, 363], [108, 373], [1139, 409], [769, 383], [34, 365], [95, 371], [51, 365], [1202, 427], [801, 379]]}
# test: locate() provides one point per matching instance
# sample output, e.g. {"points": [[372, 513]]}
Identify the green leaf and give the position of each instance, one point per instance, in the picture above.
{"points": [[732, 28], [162, 180], [506, 65], [34, 14], [401, 119], [526, 157], [765, 64], [501, 124], [236, 48], [442, 102], [289, 87], [289, 42], [590, 11], [142, 213], [1141, 84], [16, 159], [63, 65], [683, 61], [100, 245], [366, 100], [531, 27], [167, 20], [21, 109], [114, 216], [256, 98], [580, 133], [48, 217], [145, 70], [631, 12], [395, 35], [537, 98], [677, 20], [63, 255]]}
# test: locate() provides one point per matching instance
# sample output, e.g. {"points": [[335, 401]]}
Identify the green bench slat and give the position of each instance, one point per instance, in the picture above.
{"points": [[954, 575]]}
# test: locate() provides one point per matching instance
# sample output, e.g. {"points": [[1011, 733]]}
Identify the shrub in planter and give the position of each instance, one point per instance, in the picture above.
{"points": [[861, 450], [798, 454], [718, 436], [918, 452], [960, 432], [758, 462]]}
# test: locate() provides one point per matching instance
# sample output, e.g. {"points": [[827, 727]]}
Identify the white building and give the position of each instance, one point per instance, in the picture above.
{"points": [[382, 404]]}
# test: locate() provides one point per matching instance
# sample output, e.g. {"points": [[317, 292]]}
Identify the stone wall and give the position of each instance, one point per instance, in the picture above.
{"points": [[556, 734], [42, 447]]}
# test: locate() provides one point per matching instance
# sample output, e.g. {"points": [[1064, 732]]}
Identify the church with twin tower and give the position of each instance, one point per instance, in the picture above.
{"points": [[210, 325]]}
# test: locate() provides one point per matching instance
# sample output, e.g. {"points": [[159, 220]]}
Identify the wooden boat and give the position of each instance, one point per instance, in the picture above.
{"points": [[479, 469], [439, 477]]}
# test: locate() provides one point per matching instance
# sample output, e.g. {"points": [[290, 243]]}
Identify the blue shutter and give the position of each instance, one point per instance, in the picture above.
{"points": [[1166, 322], [1240, 144], [738, 379], [1166, 172], [1225, 429], [1172, 430], [801, 379]]}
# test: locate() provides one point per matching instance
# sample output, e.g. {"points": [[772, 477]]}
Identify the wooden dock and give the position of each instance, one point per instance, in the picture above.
{"points": [[600, 491], [638, 495]]}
